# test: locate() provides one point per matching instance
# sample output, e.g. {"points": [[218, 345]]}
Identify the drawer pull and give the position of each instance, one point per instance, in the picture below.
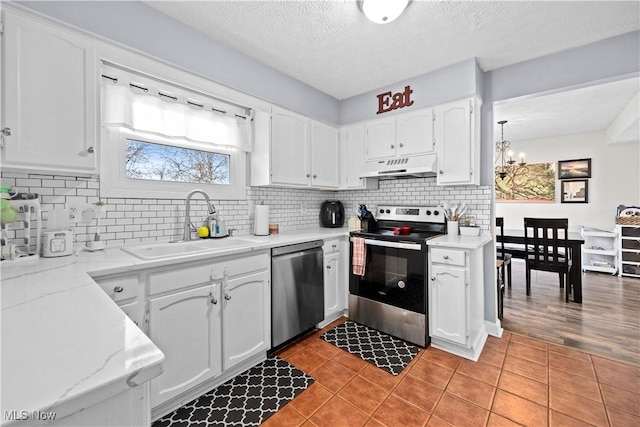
{"points": [[213, 300], [445, 256], [227, 297], [328, 266], [118, 289], [433, 279]]}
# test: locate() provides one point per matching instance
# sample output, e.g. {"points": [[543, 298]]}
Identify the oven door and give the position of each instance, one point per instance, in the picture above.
{"points": [[394, 274]]}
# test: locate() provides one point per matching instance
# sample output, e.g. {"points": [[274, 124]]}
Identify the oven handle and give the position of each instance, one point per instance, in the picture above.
{"points": [[398, 245]]}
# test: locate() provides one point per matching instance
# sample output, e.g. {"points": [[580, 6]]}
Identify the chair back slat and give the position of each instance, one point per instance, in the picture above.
{"points": [[546, 241], [500, 226]]}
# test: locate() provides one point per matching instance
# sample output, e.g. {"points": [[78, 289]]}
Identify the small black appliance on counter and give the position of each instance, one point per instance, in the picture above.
{"points": [[332, 214]]}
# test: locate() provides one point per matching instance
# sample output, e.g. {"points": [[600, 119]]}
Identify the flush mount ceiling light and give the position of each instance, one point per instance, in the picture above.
{"points": [[383, 11]]}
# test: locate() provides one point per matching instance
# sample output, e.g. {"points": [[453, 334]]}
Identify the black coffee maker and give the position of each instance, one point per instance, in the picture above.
{"points": [[367, 222]]}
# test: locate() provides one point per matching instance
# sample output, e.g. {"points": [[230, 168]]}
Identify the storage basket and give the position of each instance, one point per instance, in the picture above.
{"points": [[628, 220]]}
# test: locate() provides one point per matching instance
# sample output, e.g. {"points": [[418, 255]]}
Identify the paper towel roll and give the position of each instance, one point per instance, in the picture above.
{"points": [[261, 220]]}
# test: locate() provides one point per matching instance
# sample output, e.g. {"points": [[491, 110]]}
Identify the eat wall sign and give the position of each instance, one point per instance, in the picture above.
{"points": [[389, 102]]}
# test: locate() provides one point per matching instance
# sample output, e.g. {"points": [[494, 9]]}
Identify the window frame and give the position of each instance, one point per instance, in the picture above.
{"points": [[115, 183]]}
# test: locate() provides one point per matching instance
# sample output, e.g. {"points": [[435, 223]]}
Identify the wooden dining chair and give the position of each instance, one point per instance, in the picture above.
{"points": [[548, 249], [501, 254]]}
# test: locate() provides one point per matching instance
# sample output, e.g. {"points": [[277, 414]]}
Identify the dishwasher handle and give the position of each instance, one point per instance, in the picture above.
{"points": [[283, 250]]}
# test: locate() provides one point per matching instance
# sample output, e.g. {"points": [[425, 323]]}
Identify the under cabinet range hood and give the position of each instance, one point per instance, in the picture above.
{"points": [[416, 165]]}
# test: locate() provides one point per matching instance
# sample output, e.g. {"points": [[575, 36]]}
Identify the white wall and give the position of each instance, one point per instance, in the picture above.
{"points": [[614, 180]]}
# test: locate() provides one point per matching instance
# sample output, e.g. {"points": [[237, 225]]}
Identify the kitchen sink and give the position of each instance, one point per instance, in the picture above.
{"points": [[168, 250]]}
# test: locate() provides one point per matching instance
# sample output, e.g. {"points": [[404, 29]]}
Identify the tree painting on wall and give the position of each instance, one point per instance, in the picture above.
{"points": [[533, 183]]}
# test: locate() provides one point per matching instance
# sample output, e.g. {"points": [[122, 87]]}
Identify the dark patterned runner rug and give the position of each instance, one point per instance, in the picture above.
{"points": [[384, 351], [246, 400]]}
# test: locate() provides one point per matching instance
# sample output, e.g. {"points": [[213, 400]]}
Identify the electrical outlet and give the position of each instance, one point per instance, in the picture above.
{"points": [[80, 213]]}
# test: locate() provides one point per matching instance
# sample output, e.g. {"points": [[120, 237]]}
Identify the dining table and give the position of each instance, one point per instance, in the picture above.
{"points": [[574, 240]]}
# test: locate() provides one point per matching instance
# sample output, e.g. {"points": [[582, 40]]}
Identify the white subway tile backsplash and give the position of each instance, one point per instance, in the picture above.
{"points": [[134, 220]]}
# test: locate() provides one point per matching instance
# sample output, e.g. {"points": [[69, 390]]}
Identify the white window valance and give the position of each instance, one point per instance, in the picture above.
{"points": [[145, 104]]}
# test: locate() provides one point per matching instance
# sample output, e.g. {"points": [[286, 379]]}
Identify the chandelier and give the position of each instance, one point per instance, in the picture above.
{"points": [[505, 165]]}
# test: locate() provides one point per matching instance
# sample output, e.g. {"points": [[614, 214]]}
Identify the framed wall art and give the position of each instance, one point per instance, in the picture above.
{"points": [[571, 169], [575, 191]]}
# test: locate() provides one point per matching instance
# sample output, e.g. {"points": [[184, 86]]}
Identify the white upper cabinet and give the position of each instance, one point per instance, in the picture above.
{"points": [[457, 130], [415, 132], [292, 150], [49, 98], [403, 135], [352, 142], [381, 138], [324, 155]]}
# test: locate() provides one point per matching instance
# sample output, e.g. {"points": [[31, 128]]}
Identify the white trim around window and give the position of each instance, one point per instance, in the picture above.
{"points": [[114, 181]]}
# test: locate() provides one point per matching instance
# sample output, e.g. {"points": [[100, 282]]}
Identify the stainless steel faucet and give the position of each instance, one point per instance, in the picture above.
{"points": [[187, 213]]}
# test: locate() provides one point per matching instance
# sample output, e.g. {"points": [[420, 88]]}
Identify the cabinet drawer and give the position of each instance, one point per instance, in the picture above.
{"points": [[631, 231], [209, 271], [631, 256], [631, 243], [120, 288], [332, 245], [448, 256]]}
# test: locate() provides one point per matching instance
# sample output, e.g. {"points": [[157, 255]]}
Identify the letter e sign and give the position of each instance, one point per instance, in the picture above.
{"points": [[388, 102]]}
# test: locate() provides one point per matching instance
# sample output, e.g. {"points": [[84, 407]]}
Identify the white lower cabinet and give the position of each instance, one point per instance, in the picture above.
{"points": [[208, 318], [186, 327], [456, 298], [246, 317], [335, 279], [450, 302]]}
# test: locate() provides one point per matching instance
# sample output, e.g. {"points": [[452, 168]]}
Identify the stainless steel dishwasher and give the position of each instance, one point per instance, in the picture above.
{"points": [[297, 290]]}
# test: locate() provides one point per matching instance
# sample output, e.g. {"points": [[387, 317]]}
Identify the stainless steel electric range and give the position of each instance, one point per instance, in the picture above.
{"points": [[391, 296]]}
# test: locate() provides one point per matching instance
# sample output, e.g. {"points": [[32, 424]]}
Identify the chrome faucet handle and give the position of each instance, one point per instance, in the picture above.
{"points": [[231, 231], [192, 227]]}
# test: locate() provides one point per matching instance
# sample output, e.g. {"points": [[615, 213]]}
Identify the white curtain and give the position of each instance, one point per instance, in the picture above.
{"points": [[143, 104]]}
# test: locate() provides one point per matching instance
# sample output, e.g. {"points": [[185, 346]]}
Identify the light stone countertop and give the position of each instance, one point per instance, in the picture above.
{"points": [[461, 242], [66, 345]]}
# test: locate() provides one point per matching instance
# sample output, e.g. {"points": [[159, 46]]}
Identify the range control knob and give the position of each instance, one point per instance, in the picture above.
{"points": [[436, 212], [428, 212], [388, 211], [381, 210]]}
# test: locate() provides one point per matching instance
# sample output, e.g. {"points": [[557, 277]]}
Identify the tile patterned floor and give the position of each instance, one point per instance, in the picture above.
{"points": [[517, 381]]}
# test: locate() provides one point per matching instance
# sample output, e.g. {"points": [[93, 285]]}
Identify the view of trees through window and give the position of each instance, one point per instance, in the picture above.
{"points": [[146, 160]]}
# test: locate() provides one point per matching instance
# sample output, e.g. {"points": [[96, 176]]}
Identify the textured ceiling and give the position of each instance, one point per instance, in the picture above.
{"points": [[589, 109], [331, 46]]}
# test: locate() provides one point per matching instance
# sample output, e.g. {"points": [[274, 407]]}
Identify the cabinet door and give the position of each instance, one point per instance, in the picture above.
{"points": [[246, 319], [415, 133], [324, 156], [186, 327], [132, 310], [454, 141], [381, 139], [289, 149], [49, 98], [352, 156], [332, 294], [449, 304]]}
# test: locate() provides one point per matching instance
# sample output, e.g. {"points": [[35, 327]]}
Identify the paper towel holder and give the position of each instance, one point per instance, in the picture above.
{"points": [[261, 220]]}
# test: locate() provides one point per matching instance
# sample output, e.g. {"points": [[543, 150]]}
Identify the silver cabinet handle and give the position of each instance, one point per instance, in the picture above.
{"points": [[445, 256], [315, 176], [118, 289], [401, 145], [7, 131], [308, 175], [334, 246], [91, 150], [328, 267], [441, 172], [433, 279], [393, 146], [213, 300], [227, 297]]}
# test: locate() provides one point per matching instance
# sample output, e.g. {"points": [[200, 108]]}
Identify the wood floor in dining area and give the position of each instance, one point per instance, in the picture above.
{"points": [[607, 323]]}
